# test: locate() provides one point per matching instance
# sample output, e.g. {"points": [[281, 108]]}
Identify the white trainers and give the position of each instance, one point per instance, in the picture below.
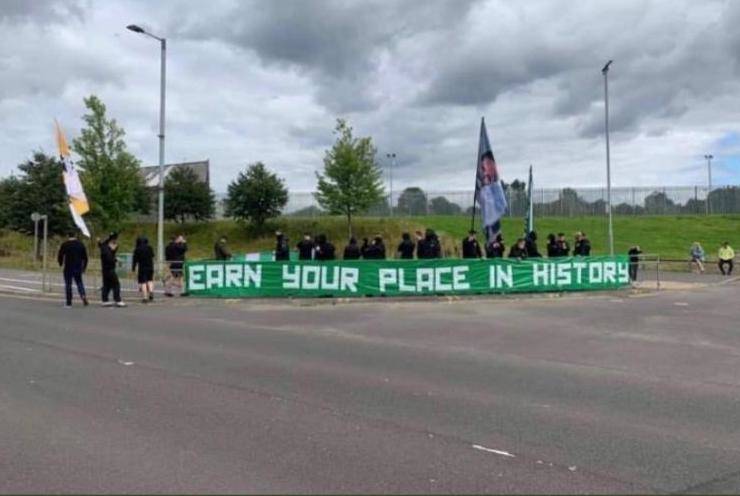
{"points": [[107, 304], [121, 304]]}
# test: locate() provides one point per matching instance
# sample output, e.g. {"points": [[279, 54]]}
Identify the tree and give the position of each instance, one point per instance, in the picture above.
{"points": [[185, 195], [110, 174], [256, 195], [40, 188], [412, 201], [351, 182], [442, 206]]}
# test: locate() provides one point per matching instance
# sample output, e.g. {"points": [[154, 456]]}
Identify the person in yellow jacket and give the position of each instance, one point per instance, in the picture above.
{"points": [[726, 255]]}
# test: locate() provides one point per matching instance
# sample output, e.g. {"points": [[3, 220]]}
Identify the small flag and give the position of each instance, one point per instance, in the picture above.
{"points": [[489, 192], [78, 204], [529, 221]]}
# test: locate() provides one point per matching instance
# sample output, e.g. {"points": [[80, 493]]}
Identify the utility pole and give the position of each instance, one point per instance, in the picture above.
{"points": [[709, 181], [605, 72], [392, 158]]}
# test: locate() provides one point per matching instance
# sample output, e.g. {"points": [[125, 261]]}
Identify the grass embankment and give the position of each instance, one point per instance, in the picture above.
{"points": [[668, 236]]}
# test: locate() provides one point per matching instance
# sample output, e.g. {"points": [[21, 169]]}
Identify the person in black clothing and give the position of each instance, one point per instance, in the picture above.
{"points": [[174, 253], [519, 250], [530, 241], [108, 262], [282, 249], [376, 249], [305, 247], [221, 249], [552, 246], [352, 251], [496, 248], [429, 247], [470, 246], [323, 249], [365, 246], [562, 246], [406, 247], [634, 254], [73, 257], [144, 260], [582, 247]]}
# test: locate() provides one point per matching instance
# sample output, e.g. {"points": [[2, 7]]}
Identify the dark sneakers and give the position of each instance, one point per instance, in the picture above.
{"points": [[84, 301]]}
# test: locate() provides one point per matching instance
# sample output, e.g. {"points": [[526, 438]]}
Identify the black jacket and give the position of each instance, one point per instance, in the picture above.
{"points": [[324, 251], [221, 251], [495, 250], [531, 246], [143, 258], [634, 254], [406, 249], [375, 251], [305, 249], [175, 254], [516, 252], [561, 249], [471, 249], [107, 258], [282, 250], [582, 248], [552, 249], [429, 247], [73, 256], [352, 252]]}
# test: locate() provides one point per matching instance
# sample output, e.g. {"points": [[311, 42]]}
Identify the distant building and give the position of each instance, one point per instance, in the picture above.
{"points": [[201, 168]]}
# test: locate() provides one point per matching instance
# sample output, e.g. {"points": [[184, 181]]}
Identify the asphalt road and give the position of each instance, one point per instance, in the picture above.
{"points": [[575, 394]]}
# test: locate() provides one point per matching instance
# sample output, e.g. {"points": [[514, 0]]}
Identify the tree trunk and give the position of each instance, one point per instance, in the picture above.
{"points": [[349, 224]]}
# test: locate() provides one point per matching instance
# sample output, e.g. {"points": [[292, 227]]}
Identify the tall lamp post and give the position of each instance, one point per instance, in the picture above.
{"points": [[605, 72], [392, 158], [709, 178], [160, 216]]}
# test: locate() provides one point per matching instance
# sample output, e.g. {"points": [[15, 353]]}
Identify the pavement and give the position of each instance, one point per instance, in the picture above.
{"points": [[598, 393]]}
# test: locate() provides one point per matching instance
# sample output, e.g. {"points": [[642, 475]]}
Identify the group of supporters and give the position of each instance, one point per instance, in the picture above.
{"points": [[725, 257], [73, 259]]}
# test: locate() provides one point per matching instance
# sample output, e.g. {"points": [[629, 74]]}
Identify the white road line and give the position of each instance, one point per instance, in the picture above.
{"points": [[681, 304], [489, 450], [18, 288], [127, 364]]}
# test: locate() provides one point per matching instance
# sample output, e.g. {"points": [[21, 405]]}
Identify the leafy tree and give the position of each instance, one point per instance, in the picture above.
{"points": [[413, 201], [185, 195], [110, 174], [40, 188], [658, 203], [351, 182], [256, 195], [442, 206]]}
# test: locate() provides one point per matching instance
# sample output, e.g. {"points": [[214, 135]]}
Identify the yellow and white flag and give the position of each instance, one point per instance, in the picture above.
{"points": [[77, 200]]}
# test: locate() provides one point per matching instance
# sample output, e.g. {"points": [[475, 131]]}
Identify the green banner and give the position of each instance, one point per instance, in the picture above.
{"points": [[241, 279]]}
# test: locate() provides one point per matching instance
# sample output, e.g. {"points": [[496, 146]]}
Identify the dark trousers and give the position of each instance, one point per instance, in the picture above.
{"points": [[75, 275], [111, 283], [722, 264], [633, 271]]}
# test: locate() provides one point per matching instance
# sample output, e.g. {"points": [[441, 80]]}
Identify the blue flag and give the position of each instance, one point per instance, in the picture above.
{"points": [[488, 189]]}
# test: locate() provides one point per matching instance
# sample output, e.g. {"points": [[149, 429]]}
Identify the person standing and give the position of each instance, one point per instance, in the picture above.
{"points": [[496, 248], [406, 247], [519, 250], [144, 259], [305, 247], [552, 246], [726, 255], [72, 257], [282, 249], [429, 247], [175, 255], [697, 257], [582, 247], [352, 251], [562, 247], [530, 241], [221, 249], [634, 254], [108, 262], [323, 250], [470, 246]]}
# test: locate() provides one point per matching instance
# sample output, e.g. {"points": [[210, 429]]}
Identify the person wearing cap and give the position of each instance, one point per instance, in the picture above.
{"points": [[72, 257], [470, 246], [726, 255], [108, 262], [282, 250]]}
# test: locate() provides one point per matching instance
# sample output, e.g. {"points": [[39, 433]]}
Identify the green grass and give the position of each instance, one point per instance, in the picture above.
{"points": [[668, 236]]}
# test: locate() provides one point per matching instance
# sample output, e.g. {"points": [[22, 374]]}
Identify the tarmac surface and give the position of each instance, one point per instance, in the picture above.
{"points": [[586, 393]]}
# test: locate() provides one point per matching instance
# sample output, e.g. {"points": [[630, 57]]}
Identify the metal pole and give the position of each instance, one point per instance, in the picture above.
{"points": [[46, 235], [160, 220], [35, 241], [605, 72], [709, 181]]}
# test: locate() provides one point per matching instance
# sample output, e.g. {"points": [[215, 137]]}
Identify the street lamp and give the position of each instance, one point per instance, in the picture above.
{"points": [[605, 72], [392, 158], [709, 174], [160, 216]]}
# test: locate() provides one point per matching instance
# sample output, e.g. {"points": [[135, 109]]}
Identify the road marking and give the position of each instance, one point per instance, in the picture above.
{"points": [[127, 364], [680, 303], [490, 450], [19, 288]]}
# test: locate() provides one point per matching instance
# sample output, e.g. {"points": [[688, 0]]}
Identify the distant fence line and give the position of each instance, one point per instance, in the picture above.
{"points": [[565, 202]]}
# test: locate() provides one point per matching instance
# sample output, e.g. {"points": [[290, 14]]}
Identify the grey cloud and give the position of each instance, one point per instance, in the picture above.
{"points": [[41, 11]]}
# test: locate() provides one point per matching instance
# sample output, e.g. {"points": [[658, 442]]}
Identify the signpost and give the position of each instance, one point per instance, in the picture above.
{"points": [[36, 217]]}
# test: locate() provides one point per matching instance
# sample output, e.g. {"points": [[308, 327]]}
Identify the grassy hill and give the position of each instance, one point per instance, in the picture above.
{"points": [[669, 236]]}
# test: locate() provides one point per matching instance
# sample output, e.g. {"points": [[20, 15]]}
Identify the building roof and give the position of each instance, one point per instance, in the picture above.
{"points": [[201, 169]]}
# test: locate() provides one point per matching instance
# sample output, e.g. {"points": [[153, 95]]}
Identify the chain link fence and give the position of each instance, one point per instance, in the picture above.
{"points": [[566, 202]]}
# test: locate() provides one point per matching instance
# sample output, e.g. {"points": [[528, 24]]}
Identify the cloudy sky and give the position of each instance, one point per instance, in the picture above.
{"points": [[265, 80]]}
